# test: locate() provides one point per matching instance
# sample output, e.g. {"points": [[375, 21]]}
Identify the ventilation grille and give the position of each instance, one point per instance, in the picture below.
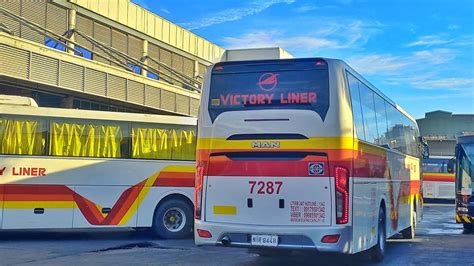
{"points": [[14, 7], [95, 82], [152, 97], [135, 92], [85, 26], [44, 69], [56, 19], [14, 62], [168, 100], [154, 52], [134, 47], [182, 104], [102, 34], [34, 11], [119, 41], [194, 108], [188, 67], [71, 76], [117, 88]]}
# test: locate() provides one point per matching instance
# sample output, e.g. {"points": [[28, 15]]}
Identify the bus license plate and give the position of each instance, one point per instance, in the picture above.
{"points": [[264, 240]]}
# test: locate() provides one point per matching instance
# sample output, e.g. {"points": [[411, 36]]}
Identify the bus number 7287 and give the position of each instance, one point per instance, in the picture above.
{"points": [[265, 187]]}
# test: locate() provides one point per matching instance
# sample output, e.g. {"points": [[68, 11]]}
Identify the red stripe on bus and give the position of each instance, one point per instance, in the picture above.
{"points": [[175, 179], [446, 178], [21, 192]]}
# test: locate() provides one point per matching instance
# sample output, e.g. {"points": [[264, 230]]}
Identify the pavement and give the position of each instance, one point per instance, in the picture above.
{"points": [[439, 241]]}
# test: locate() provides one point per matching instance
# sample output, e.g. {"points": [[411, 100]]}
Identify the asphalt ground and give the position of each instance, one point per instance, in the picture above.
{"points": [[439, 241]]}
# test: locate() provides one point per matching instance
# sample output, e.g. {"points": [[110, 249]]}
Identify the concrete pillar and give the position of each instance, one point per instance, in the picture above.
{"points": [[145, 56], [196, 69], [71, 25]]}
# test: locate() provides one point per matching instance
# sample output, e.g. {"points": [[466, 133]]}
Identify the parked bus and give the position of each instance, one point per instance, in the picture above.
{"points": [[464, 168], [303, 154], [438, 183], [63, 168]]}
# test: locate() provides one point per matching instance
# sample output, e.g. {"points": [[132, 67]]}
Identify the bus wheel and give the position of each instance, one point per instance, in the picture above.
{"points": [[409, 233], [378, 251], [173, 219]]}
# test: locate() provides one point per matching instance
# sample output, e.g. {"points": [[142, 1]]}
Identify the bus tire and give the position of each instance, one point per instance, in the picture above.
{"points": [[378, 251], [173, 219], [409, 233]]}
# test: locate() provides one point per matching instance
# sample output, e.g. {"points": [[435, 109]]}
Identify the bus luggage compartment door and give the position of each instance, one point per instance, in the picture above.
{"points": [[268, 192]]}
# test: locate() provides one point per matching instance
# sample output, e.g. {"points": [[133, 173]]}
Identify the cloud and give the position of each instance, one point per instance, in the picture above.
{"points": [[262, 39], [429, 40], [377, 63], [443, 96], [166, 11], [390, 65], [435, 56], [234, 14], [444, 83], [453, 27], [324, 33], [306, 8]]}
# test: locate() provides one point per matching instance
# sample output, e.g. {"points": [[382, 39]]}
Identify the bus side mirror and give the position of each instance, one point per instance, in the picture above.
{"points": [[424, 148], [451, 165]]}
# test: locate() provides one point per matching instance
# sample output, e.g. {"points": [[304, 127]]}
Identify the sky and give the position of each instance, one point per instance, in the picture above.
{"points": [[420, 53]]}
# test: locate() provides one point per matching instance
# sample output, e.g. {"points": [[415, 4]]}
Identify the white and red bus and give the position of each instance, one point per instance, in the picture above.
{"points": [[438, 183], [63, 168], [303, 154]]}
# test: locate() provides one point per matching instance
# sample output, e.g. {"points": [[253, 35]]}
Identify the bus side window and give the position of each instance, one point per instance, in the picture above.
{"points": [[368, 111], [20, 136], [356, 106]]}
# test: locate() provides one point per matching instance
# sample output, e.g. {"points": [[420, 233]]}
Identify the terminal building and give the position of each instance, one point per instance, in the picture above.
{"points": [[441, 129], [110, 55]]}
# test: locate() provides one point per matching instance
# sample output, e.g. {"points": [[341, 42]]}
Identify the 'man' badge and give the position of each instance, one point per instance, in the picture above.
{"points": [[316, 168]]}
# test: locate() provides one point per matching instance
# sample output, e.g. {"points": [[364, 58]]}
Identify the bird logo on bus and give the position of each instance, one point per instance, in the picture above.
{"points": [[268, 81]]}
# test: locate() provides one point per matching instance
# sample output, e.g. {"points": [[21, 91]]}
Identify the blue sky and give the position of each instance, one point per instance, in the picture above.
{"points": [[420, 53]]}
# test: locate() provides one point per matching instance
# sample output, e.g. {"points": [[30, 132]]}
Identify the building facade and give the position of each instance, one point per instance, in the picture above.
{"points": [[102, 55], [441, 129]]}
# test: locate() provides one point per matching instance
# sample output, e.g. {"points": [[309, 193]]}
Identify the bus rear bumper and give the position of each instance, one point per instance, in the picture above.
{"points": [[289, 237]]}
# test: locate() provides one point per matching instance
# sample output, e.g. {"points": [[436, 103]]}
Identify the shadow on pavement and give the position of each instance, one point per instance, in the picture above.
{"points": [[73, 234]]}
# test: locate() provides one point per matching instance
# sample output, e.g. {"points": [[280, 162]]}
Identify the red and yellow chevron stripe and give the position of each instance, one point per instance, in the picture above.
{"points": [[28, 196]]}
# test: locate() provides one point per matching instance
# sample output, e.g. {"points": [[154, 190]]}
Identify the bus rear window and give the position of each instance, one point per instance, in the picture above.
{"points": [[276, 84]]}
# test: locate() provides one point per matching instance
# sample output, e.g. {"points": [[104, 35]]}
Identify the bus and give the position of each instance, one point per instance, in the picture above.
{"points": [[438, 183], [464, 169], [303, 154], [64, 168]]}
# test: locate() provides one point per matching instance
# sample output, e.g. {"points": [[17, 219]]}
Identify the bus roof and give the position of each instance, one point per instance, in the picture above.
{"points": [[95, 115], [467, 139], [17, 100]]}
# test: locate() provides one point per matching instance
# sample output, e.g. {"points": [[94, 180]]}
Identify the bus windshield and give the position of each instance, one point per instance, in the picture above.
{"points": [[465, 176], [435, 165], [256, 85]]}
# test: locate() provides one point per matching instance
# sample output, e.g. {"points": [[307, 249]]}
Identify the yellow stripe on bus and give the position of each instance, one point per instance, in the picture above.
{"points": [[311, 143], [438, 174], [39, 204], [225, 210]]}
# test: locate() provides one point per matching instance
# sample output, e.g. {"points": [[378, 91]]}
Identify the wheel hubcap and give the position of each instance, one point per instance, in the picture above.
{"points": [[174, 219]]}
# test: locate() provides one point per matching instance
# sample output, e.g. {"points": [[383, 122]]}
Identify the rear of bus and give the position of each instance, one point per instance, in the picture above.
{"points": [[274, 154]]}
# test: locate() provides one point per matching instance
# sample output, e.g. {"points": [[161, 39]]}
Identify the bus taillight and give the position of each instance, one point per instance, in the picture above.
{"points": [[342, 195], [198, 191]]}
